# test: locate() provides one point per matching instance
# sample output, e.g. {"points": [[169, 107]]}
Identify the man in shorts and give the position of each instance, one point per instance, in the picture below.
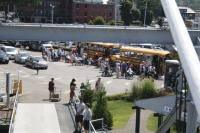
{"points": [[51, 88], [87, 117], [79, 115]]}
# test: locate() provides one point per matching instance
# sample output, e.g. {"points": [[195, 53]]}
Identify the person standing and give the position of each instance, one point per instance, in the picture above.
{"points": [[51, 88], [72, 89], [98, 85], [87, 117], [79, 115], [118, 68]]}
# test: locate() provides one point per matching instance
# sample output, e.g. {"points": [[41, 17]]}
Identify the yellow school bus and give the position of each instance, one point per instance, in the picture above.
{"points": [[137, 56], [99, 49]]}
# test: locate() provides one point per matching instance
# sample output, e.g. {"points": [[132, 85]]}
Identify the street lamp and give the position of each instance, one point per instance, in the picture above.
{"points": [[145, 14], [52, 12]]}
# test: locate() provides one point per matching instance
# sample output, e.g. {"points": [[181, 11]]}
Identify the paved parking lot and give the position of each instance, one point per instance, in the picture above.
{"points": [[36, 86]]}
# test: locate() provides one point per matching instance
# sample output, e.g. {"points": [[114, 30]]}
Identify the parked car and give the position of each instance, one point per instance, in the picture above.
{"points": [[10, 51], [3, 57], [21, 57], [36, 62]]}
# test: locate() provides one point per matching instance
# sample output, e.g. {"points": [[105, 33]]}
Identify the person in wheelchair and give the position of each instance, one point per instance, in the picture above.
{"points": [[129, 73]]}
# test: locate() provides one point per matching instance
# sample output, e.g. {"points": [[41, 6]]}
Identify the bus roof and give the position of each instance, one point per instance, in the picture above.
{"points": [[106, 44], [145, 50]]}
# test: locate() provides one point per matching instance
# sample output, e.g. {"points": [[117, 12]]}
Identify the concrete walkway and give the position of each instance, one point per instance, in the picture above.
{"points": [[42, 118]]}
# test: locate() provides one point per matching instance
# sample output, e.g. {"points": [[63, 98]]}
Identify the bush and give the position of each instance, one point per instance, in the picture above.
{"points": [[101, 110], [87, 94], [148, 89], [143, 89], [99, 20]]}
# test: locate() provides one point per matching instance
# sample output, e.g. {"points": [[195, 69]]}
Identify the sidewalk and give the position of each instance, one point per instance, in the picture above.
{"points": [[130, 127]]}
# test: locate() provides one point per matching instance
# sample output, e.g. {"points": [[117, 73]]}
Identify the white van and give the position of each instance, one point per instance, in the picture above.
{"points": [[10, 51]]}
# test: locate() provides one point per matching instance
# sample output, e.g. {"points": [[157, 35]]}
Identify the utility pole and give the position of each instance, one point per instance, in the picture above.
{"points": [[145, 14], [52, 12]]}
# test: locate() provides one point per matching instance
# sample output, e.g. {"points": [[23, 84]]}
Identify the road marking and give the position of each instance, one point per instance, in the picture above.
{"points": [[25, 76], [127, 83], [58, 78], [90, 81], [108, 82], [40, 77]]}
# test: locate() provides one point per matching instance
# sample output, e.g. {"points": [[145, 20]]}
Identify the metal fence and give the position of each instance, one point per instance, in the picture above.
{"points": [[73, 108], [11, 127]]}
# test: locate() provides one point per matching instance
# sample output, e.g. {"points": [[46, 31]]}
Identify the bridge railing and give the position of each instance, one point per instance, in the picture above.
{"points": [[16, 100]]}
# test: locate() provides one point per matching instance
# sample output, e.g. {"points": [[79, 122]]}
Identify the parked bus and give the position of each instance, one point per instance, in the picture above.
{"points": [[99, 49], [137, 56]]}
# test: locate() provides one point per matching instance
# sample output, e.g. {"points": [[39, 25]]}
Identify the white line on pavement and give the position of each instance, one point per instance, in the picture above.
{"points": [[127, 83], [40, 77], [58, 78], [108, 82], [25, 76], [90, 81]]}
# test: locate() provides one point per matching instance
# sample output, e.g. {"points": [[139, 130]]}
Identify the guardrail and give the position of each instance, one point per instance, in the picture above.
{"points": [[11, 127], [103, 126]]}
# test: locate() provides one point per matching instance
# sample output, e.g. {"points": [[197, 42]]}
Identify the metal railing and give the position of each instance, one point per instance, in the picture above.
{"points": [[11, 127], [103, 126], [91, 126]]}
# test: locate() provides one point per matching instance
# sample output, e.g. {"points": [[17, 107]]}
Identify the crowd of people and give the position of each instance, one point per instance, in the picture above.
{"points": [[121, 68], [83, 110]]}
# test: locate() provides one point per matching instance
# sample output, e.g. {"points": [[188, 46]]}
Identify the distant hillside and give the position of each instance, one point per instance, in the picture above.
{"points": [[195, 4]]}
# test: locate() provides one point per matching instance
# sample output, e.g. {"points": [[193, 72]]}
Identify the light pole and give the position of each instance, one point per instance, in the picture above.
{"points": [[145, 14], [52, 12]]}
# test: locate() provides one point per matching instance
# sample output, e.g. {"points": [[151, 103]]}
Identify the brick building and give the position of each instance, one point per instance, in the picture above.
{"points": [[83, 12], [65, 11]]}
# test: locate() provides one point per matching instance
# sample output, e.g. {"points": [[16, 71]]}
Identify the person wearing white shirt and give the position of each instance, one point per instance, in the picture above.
{"points": [[87, 118], [79, 114]]}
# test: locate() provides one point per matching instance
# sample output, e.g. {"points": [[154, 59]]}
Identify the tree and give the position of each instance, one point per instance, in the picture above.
{"points": [[136, 14], [32, 2], [154, 9], [87, 93], [101, 110], [99, 20], [149, 17], [126, 14]]}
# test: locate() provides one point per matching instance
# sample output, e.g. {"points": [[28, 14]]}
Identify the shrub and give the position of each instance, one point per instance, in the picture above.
{"points": [[136, 91], [148, 89], [87, 93], [143, 89], [101, 110]]}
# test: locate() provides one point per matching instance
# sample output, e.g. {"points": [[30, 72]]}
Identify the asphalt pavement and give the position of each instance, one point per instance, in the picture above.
{"points": [[35, 87]]}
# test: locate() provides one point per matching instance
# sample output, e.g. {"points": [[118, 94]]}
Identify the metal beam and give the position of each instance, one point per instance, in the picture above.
{"points": [[86, 33]]}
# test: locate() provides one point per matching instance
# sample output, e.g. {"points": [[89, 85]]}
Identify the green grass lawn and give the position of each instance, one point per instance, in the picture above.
{"points": [[152, 124], [121, 111]]}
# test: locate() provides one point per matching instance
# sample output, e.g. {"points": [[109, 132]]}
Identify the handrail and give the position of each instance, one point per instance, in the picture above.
{"points": [[90, 122], [11, 127]]}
